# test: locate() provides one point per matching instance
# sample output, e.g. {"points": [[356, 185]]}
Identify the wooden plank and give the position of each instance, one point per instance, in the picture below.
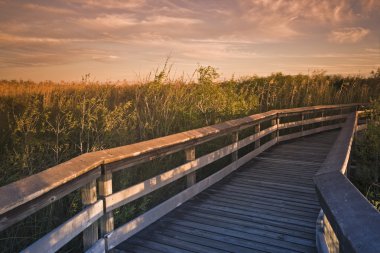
{"points": [[309, 132], [341, 201], [27, 189], [298, 162], [136, 225], [180, 244], [127, 230], [243, 160], [98, 247], [158, 246], [263, 206], [283, 187], [134, 192], [297, 219], [300, 231], [245, 238], [199, 239], [262, 215], [303, 237], [260, 235], [134, 154], [311, 121], [257, 130], [89, 197], [191, 178], [266, 194], [261, 201], [20, 212], [235, 140], [22, 191], [105, 189], [292, 111], [232, 244], [61, 235]]}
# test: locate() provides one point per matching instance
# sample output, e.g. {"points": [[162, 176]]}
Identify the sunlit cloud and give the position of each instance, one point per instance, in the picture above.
{"points": [[238, 36], [348, 35]]}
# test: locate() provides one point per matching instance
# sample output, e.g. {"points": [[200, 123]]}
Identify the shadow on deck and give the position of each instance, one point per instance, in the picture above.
{"points": [[267, 205]]}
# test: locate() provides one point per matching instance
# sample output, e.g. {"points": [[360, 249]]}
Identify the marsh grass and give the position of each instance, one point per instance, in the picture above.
{"points": [[43, 124]]}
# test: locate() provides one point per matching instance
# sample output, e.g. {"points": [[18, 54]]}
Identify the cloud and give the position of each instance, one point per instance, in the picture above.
{"points": [[109, 4], [348, 35], [221, 32], [48, 9]]}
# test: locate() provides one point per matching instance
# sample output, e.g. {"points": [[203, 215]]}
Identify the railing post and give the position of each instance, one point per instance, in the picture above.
{"points": [[105, 189], [235, 139], [190, 156], [323, 115], [302, 119], [276, 122], [257, 130], [90, 234]]}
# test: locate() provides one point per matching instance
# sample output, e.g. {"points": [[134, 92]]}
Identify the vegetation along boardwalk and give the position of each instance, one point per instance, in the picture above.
{"points": [[268, 205], [272, 182]]}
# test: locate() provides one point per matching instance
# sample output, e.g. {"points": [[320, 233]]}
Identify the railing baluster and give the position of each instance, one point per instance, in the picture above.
{"points": [[191, 178], [257, 130], [323, 115], [235, 139], [105, 189], [275, 122], [90, 234]]}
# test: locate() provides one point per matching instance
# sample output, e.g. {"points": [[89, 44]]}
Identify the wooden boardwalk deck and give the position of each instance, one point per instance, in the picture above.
{"points": [[267, 205]]}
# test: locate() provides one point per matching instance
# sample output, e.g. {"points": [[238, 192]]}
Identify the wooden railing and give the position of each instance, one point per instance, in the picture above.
{"points": [[348, 222], [92, 174]]}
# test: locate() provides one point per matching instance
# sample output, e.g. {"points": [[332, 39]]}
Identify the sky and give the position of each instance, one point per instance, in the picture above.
{"points": [[126, 40]]}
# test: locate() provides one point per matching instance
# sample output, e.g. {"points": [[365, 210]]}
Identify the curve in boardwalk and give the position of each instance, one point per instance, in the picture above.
{"points": [[267, 205]]}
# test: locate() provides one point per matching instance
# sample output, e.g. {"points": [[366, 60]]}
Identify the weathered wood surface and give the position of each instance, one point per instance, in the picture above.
{"points": [[61, 235], [136, 225], [27, 189], [134, 192], [267, 205], [98, 247], [105, 189], [89, 197], [311, 121], [20, 212], [346, 208]]}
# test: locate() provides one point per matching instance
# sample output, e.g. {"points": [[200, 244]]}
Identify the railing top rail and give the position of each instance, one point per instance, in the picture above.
{"points": [[354, 220], [32, 187]]}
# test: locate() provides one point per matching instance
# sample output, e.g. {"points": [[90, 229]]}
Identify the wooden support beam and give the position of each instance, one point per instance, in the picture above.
{"points": [[58, 237], [257, 130], [191, 178], [235, 139], [90, 234], [105, 189], [276, 122], [323, 117]]}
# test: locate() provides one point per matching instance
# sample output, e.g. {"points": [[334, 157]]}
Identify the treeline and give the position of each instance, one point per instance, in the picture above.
{"points": [[43, 124]]}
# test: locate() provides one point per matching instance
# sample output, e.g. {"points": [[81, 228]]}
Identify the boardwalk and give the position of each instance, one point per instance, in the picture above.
{"points": [[284, 190], [268, 205]]}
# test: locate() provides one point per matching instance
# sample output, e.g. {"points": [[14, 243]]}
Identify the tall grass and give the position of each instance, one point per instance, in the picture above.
{"points": [[43, 124], [366, 153]]}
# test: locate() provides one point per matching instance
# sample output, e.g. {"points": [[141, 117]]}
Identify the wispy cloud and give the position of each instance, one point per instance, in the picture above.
{"points": [[348, 35], [238, 34]]}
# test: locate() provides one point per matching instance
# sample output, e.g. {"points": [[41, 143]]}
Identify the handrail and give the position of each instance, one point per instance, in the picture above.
{"points": [[353, 220], [26, 196]]}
